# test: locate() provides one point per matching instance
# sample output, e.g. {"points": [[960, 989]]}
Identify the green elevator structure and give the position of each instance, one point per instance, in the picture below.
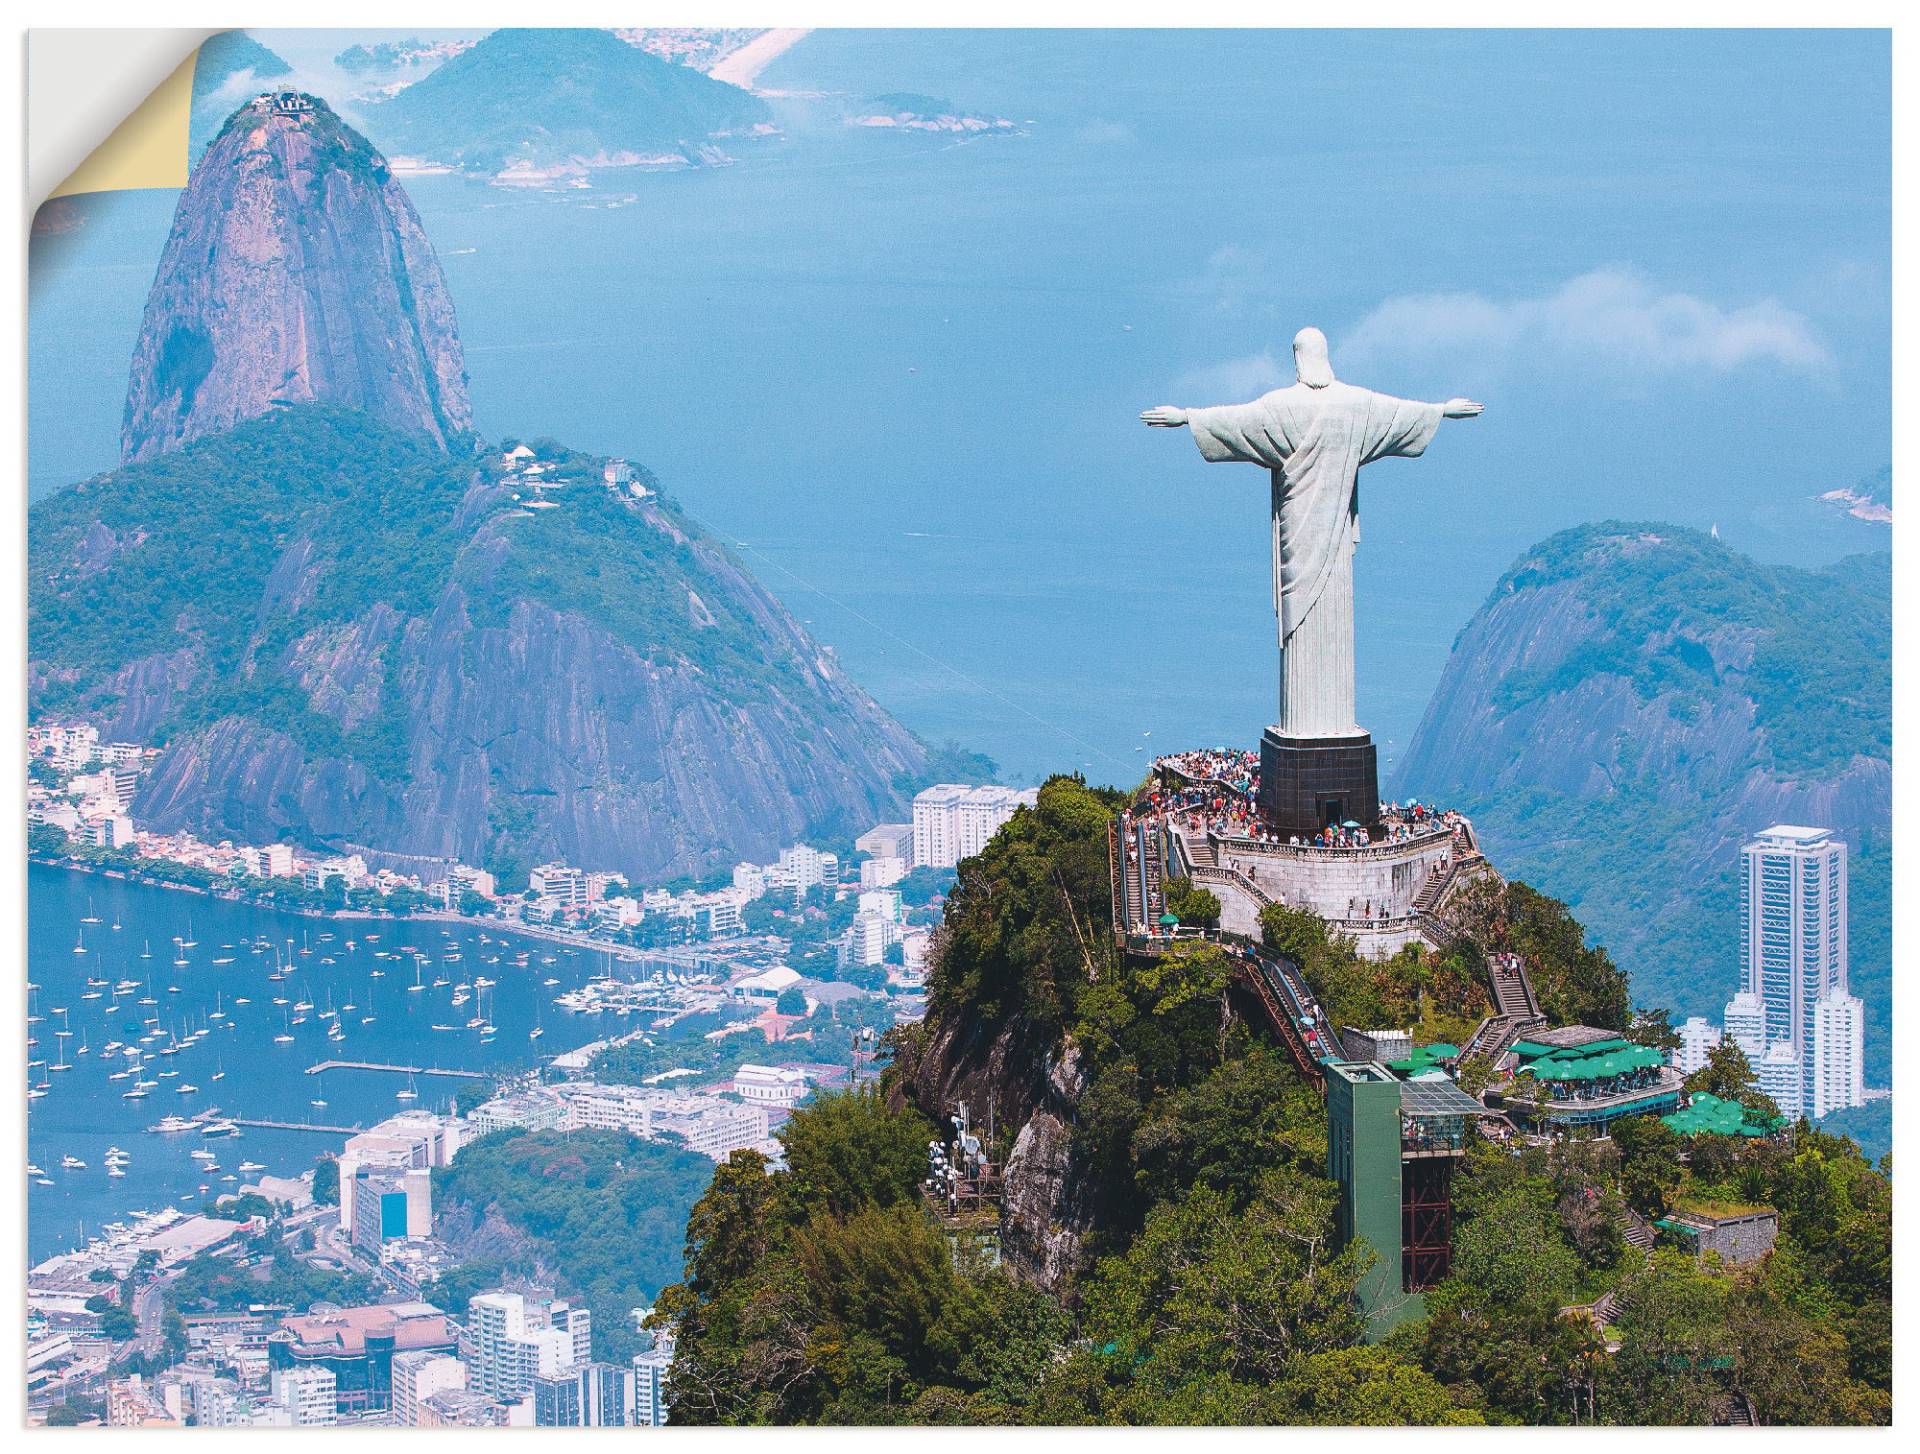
{"points": [[1392, 1146]]}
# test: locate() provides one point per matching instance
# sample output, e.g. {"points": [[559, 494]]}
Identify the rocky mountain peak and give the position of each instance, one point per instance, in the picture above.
{"points": [[296, 271]]}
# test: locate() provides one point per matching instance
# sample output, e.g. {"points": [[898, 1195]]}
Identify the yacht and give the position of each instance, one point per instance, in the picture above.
{"points": [[174, 1123], [90, 917], [73, 1163]]}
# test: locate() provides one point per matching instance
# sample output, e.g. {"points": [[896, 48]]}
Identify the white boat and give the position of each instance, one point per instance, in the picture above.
{"points": [[73, 1163]]}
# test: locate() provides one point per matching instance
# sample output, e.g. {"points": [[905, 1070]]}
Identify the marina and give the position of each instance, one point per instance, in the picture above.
{"points": [[213, 1020]]}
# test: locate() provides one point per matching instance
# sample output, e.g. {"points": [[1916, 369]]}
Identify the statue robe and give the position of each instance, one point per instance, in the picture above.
{"points": [[1315, 441]]}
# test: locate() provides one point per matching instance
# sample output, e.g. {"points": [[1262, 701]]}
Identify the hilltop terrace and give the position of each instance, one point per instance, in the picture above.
{"points": [[1216, 791], [1198, 817]]}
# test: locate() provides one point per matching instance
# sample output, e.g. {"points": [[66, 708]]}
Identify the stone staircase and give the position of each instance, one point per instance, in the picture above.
{"points": [[1200, 851], [1636, 1229]]}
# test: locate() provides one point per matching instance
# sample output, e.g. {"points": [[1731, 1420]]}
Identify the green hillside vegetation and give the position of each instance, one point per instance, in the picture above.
{"points": [[1631, 861], [828, 1293], [544, 96], [601, 1215], [188, 544], [1821, 695]]}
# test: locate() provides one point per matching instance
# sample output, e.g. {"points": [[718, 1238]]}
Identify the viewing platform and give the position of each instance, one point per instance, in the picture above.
{"points": [[1384, 886]]}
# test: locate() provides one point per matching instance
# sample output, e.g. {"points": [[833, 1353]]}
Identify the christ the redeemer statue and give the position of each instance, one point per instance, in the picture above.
{"points": [[1314, 437]]}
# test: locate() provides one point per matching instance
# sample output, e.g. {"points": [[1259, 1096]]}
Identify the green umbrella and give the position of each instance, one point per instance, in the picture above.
{"points": [[1169, 918]]}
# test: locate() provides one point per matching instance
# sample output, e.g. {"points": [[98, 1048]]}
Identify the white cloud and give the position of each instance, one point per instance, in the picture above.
{"points": [[1611, 316], [1234, 381]]}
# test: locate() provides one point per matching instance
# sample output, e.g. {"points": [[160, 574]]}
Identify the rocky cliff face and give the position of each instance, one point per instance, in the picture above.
{"points": [[296, 271], [1632, 702], [345, 637], [1030, 1085]]}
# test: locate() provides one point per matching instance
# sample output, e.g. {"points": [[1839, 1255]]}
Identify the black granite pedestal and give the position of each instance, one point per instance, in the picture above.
{"points": [[1307, 783]]}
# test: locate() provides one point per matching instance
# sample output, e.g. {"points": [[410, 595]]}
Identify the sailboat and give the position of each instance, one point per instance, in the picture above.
{"points": [[409, 1093], [90, 917], [285, 1037], [321, 1099], [80, 942]]}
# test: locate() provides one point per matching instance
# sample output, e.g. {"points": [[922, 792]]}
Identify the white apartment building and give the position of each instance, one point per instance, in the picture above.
{"points": [[1838, 1078], [306, 1394], [418, 1374], [1793, 940], [715, 1128], [868, 939], [952, 821], [564, 884], [1746, 1025], [879, 873], [1699, 1036], [650, 1394], [510, 1341], [802, 868]]}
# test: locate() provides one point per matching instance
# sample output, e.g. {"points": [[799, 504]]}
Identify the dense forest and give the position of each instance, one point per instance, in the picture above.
{"points": [[825, 1292]]}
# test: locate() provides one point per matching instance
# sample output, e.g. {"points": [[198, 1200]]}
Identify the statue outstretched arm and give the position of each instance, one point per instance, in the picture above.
{"points": [[1461, 409], [1163, 416]]}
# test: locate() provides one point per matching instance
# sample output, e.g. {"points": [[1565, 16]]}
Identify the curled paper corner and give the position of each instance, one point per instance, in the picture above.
{"points": [[81, 134]]}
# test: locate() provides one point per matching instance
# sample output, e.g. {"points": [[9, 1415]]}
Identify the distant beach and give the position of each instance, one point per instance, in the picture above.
{"points": [[744, 66]]}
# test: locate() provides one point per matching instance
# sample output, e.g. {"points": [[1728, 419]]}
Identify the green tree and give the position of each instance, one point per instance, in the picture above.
{"points": [[1365, 1386], [792, 1001], [326, 1181], [847, 1151]]}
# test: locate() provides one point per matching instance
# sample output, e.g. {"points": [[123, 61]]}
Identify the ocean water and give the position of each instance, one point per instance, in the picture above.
{"points": [[900, 374], [84, 1112]]}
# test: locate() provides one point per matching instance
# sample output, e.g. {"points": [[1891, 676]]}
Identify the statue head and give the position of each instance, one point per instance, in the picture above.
{"points": [[1310, 360]]}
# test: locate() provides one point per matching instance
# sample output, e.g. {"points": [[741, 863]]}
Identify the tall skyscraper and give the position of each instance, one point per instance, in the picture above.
{"points": [[952, 821], [1793, 990]]}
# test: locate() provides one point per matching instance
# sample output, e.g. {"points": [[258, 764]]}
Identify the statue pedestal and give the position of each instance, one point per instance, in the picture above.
{"points": [[1308, 782]]}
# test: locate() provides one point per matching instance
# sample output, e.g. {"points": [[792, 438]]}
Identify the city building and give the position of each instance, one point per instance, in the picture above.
{"points": [[133, 1403], [306, 1394], [461, 1408], [879, 873], [411, 1139], [356, 1346], [523, 1110], [1699, 1037], [389, 1203], [510, 1341], [1793, 951], [587, 1395], [1837, 1077], [952, 821], [887, 840], [417, 1376], [560, 882], [650, 1392], [1746, 1025], [770, 1085]]}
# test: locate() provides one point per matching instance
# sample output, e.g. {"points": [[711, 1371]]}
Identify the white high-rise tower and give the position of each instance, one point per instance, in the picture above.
{"points": [[1793, 1006]]}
